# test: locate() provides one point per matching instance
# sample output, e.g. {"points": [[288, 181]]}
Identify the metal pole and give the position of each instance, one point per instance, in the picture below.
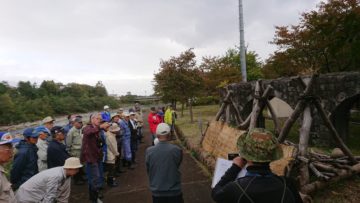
{"points": [[242, 43]]}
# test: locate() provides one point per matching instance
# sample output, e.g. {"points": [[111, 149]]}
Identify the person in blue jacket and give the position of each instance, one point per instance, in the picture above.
{"points": [[126, 141], [56, 152], [105, 115], [25, 161]]}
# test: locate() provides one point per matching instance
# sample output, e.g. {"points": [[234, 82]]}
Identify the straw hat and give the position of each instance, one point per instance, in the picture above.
{"points": [[72, 163], [47, 119]]}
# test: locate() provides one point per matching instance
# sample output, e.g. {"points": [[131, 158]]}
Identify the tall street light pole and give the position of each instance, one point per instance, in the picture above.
{"points": [[242, 43]]}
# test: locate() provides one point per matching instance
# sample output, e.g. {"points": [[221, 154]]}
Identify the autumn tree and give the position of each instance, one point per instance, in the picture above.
{"points": [[179, 80], [325, 40]]}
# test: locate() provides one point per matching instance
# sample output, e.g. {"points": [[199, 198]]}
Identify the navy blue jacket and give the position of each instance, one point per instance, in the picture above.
{"points": [[24, 164], [56, 154]]}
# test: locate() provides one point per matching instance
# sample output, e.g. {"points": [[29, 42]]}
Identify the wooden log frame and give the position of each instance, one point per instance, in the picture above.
{"points": [[259, 103], [275, 119], [326, 168], [227, 104], [334, 133], [223, 105], [300, 106], [320, 184]]}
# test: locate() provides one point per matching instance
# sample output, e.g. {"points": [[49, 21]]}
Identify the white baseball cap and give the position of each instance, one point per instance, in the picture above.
{"points": [[162, 129], [106, 107]]}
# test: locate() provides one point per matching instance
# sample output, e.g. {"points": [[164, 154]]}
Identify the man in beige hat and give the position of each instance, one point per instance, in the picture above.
{"points": [[48, 123], [52, 185]]}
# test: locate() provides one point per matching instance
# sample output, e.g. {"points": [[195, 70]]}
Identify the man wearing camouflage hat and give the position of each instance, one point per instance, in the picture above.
{"points": [[257, 149]]}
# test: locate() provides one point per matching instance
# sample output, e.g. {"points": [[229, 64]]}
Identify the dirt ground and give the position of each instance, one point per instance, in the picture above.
{"points": [[133, 184]]}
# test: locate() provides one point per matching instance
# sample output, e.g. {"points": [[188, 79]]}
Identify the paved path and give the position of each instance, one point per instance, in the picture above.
{"points": [[133, 185]]}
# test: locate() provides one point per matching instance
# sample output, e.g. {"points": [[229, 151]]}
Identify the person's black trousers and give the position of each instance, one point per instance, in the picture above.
{"points": [[170, 199]]}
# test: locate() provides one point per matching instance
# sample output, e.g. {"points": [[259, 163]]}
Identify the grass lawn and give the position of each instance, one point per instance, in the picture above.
{"points": [[343, 191], [202, 115]]}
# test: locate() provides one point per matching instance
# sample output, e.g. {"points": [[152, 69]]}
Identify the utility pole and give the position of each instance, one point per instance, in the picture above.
{"points": [[242, 43]]}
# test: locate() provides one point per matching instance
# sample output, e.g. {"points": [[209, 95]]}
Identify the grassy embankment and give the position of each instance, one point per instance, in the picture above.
{"points": [[343, 191]]}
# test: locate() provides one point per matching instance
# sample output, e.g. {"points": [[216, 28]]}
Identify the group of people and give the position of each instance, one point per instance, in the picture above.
{"points": [[48, 156], [104, 146]]}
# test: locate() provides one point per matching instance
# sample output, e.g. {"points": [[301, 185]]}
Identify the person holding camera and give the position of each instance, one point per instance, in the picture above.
{"points": [[91, 155], [257, 149]]}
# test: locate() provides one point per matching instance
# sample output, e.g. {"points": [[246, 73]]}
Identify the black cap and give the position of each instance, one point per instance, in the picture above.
{"points": [[57, 129]]}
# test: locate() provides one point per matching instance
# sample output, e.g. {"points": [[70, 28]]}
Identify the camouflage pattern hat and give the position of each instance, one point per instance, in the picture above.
{"points": [[259, 145]]}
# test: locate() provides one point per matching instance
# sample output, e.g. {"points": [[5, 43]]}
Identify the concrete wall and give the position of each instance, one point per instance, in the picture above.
{"points": [[336, 91]]}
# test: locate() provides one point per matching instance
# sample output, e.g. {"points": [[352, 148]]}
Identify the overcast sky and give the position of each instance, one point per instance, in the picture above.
{"points": [[121, 42]]}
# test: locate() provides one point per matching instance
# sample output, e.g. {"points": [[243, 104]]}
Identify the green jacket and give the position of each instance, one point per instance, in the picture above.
{"points": [[74, 141]]}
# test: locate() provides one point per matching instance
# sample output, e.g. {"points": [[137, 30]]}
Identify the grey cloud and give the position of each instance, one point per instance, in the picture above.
{"points": [[96, 40]]}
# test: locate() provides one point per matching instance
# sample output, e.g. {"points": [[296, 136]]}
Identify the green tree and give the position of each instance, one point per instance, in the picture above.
{"points": [[222, 70], [27, 90], [7, 109], [49, 87], [100, 90]]}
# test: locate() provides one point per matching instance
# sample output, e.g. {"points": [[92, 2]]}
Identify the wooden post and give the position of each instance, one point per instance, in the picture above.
{"points": [[244, 125], [255, 106], [334, 133], [223, 106], [303, 145], [274, 117], [227, 114], [237, 112], [259, 106]]}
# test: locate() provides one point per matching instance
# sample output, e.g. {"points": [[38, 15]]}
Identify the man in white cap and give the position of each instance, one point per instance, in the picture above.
{"points": [[6, 154], [52, 185], [162, 165]]}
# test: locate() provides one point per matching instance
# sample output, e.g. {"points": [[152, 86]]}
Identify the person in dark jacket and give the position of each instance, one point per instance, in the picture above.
{"points": [[56, 152], [257, 149], [25, 162], [91, 155]]}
